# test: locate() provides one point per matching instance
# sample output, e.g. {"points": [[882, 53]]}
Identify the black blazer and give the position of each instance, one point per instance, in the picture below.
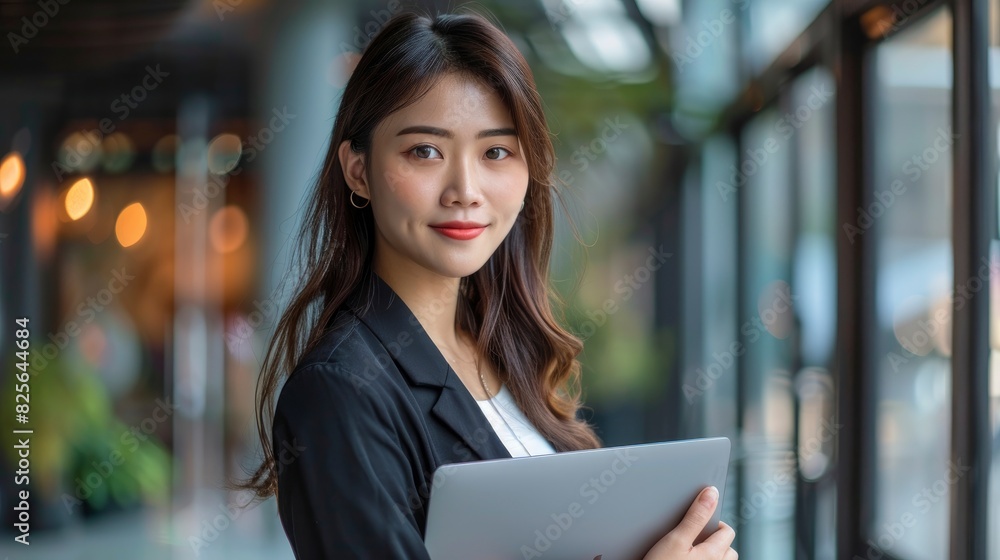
{"points": [[360, 426]]}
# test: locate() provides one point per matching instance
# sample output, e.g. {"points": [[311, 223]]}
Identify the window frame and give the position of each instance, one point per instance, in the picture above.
{"points": [[837, 39]]}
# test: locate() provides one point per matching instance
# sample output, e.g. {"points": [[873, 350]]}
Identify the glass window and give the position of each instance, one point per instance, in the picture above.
{"points": [[766, 326], [908, 214], [773, 25], [705, 51], [718, 297], [712, 381], [812, 104], [812, 108]]}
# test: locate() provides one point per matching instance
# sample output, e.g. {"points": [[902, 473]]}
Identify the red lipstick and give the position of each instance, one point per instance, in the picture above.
{"points": [[459, 229]]}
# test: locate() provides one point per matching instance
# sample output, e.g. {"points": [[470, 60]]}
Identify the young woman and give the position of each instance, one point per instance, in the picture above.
{"points": [[423, 332]]}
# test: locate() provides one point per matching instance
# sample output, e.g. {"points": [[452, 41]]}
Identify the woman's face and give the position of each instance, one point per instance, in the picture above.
{"points": [[453, 156]]}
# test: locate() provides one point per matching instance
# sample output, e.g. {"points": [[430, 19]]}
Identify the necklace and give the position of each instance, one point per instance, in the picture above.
{"points": [[495, 409]]}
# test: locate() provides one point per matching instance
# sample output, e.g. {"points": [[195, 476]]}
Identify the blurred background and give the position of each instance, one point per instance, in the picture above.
{"points": [[789, 212]]}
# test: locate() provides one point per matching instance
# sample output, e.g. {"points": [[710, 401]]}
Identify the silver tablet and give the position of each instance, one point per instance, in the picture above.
{"points": [[603, 504]]}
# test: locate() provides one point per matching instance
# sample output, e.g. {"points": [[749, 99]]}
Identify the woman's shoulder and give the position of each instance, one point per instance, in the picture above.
{"points": [[338, 362], [334, 339]]}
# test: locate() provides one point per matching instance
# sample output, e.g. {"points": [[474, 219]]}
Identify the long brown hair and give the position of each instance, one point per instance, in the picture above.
{"points": [[507, 304]]}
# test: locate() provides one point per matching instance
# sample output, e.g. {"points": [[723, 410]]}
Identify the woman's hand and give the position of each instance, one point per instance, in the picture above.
{"points": [[678, 544]]}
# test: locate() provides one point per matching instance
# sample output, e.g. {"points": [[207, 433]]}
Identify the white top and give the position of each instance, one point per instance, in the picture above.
{"points": [[526, 432]]}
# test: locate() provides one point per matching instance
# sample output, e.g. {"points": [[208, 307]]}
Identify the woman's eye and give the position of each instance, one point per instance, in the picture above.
{"points": [[496, 153], [425, 152]]}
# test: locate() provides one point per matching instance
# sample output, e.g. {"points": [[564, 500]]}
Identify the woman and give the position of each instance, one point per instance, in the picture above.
{"points": [[423, 332]]}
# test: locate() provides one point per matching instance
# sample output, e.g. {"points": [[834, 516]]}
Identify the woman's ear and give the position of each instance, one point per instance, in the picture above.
{"points": [[353, 165]]}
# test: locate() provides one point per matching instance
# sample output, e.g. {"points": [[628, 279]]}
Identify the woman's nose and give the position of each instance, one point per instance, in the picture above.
{"points": [[463, 183]]}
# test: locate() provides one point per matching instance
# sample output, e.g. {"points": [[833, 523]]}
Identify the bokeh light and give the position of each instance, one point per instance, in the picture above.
{"points": [[165, 153], [131, 224], [775, 308], [80, 152], [79, 199], [224, 153], [118, 152], [44, 224], [11, 176], [228, 229]]}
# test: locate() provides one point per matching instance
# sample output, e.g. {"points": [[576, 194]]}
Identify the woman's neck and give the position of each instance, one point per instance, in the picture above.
{"points": [[432, 299]]}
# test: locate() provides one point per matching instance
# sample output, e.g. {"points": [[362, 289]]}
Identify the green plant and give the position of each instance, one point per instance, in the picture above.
{"points": [[80, 451]]}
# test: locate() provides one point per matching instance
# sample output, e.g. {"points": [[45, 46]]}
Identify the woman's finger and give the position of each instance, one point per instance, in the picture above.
{"points": [[719, 541], [697, 515]]}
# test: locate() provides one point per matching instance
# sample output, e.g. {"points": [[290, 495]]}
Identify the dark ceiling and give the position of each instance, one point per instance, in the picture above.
{"points": [[49, 36]]}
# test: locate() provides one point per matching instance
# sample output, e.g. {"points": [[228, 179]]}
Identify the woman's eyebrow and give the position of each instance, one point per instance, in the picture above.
{"points": [[422, 129]]}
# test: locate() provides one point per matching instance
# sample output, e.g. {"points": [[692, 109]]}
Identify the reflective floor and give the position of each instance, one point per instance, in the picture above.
{"points": [[149, 535]]}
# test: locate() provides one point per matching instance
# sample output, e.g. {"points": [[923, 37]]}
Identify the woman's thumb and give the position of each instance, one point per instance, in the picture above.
{"points": [[698, 514]]}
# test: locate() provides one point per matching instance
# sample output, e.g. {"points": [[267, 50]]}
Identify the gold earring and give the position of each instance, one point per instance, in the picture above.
{"points": [[351, 196]]}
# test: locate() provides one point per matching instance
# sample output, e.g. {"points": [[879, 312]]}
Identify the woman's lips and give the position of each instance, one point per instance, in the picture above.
{"points": [[463, 234]]}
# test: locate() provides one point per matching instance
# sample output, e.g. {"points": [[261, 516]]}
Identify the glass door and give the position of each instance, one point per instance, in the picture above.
{"points": [[907, 214]]}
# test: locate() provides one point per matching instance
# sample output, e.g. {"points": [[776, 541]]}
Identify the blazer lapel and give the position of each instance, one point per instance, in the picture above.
{"points": [[399, 331]]}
